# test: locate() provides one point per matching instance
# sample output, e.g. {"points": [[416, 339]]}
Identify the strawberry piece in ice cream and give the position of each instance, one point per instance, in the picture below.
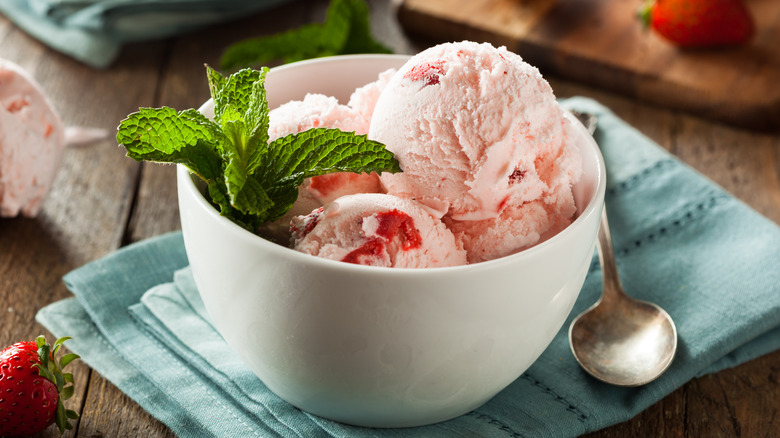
{"points": [[390, 225], [429, 72], [377, 230], [31, 141]]}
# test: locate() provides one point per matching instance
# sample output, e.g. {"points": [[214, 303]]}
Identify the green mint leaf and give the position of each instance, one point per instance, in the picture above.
{"points": [[315, 152], [216, 80], [284, 192], [235, 92], [241, 108], [290, 46], [217, 193], [166, 136], [160, 129], [359, 39], [338, 20], [347, 29], [253, 200], [256, 118], [323, 150], [249, 180], [232, 156]]}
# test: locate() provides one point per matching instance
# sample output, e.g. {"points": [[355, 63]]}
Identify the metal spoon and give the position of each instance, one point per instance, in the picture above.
{"points": [[620, 340]]}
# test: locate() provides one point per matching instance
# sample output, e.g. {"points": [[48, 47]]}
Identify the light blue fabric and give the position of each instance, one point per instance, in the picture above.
{"points": [[681, 241], [93, 31]]}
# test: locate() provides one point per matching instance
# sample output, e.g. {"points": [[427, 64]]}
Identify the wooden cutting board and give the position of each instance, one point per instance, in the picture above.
{"points": [[600, 42]]}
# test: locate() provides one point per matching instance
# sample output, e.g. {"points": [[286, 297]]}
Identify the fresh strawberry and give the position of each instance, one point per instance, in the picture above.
{"points": [[699, 23], [32, 388]]}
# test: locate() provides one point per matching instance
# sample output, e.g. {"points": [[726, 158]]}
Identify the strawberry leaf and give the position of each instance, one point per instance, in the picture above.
{"points": [[68, 358], [67, 392], [44, 352], [52, 371]]}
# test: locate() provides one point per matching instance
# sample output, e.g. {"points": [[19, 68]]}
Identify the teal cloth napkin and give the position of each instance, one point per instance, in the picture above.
{"points": [[681, 241], [93, 31]]}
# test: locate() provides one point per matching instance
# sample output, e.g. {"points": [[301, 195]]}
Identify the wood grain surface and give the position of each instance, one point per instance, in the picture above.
{"points": [[103, 200], [600, 42]]}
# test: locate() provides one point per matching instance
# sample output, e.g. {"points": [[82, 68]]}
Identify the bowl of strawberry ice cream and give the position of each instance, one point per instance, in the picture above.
{"points": [[381, 306]]}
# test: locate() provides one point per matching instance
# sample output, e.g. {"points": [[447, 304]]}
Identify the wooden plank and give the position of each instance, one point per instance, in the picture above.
{"points": [[601, 43], [86, 211], [182, 85], [111, 413]]}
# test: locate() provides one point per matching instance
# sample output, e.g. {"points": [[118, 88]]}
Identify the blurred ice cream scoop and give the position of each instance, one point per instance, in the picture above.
{"points": [[31, 140], [32, 137]]}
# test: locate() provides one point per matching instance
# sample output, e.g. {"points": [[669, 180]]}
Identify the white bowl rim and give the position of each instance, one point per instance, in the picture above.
{"points": [[593, 207]]}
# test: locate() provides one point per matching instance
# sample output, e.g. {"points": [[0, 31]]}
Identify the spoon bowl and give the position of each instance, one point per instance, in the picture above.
{"points": [[623, 341]]}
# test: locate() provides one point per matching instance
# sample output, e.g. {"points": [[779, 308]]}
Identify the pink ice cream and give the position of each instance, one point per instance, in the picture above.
{"points": [[31, 142], [483, 142], [319, 111], [364, 99], [377, 230]]}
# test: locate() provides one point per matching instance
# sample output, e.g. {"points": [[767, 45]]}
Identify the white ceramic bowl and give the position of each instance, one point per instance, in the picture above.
{"points": [[375, 346]]}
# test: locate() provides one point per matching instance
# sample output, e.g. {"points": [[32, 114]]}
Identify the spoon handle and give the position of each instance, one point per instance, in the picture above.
{"points": [[610, 279]]}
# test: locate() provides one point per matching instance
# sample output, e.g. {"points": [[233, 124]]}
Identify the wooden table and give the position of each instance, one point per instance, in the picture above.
{"points": [[102, 200]]}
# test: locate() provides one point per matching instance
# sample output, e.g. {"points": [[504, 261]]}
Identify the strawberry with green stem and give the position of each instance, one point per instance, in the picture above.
{"points": [[33, 386], [699, 23]]}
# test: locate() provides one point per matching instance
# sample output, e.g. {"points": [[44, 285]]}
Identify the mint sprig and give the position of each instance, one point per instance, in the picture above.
{"points": [[346, 30], [250, 180]]}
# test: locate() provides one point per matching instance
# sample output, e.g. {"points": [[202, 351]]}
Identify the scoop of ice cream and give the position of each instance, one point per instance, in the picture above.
{"points": [[520, 225], [31, 142], [479, 136], [378, 230], [319, 111], [314, 111]]}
